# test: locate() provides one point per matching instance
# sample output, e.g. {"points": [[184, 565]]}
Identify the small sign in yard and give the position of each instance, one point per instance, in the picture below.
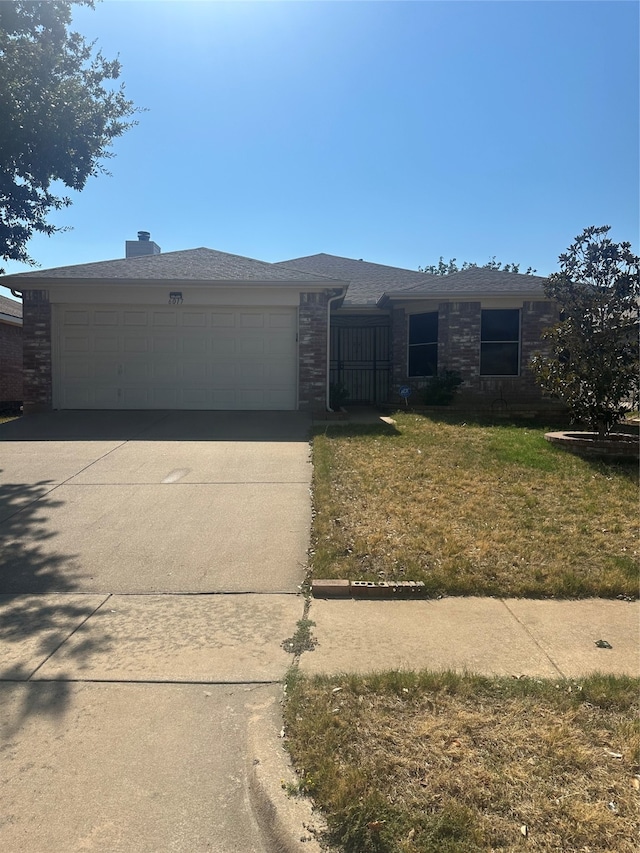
{"points": [[405, 393]]}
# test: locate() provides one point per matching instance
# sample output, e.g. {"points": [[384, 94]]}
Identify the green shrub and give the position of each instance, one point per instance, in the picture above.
{"points": [[441, 389], [338, 396]]}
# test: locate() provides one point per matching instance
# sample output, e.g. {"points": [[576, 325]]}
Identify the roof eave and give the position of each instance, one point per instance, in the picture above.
{"points": [[458, 296], [42, 283], [10, 319]]}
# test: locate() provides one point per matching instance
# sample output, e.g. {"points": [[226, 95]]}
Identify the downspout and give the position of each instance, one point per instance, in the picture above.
{"points": [[329, 301]]}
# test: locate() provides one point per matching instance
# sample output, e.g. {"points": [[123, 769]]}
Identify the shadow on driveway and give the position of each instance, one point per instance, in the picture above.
{"points": [[158, 426]]}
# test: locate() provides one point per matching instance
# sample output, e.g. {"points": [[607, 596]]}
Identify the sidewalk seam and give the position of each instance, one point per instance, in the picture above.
{"points": [[68, 637], [534, 640]]}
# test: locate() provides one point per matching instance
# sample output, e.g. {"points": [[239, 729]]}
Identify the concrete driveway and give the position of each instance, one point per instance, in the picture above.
{"points": [[146, 502], [150, 566]]}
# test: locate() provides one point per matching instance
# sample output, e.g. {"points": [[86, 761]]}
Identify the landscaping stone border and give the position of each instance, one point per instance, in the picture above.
{"points": [[619, 445]]}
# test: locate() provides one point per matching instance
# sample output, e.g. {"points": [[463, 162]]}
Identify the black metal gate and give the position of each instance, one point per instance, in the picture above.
{"points": [[360, 357]]}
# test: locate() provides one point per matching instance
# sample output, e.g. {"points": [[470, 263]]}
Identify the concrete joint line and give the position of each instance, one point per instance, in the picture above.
{"points": [[68, 637], [213, 592], [147, 681], [31, 503], [155, 485], [534, 640], [63, 483]]}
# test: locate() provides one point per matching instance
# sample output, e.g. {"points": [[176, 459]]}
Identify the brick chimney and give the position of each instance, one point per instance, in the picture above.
{"points": [[144, 245]]}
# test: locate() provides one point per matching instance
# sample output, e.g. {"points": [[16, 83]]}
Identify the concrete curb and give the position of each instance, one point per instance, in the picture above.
{"points": [[289, 824]]}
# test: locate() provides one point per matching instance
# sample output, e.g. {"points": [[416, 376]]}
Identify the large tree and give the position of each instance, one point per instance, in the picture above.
{"points": [[60, 110], [451, 266], [593, 361]]}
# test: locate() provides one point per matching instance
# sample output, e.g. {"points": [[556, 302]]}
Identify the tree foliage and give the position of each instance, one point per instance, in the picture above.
{"points": [[60, 110], [451, 266], [593, 364]]}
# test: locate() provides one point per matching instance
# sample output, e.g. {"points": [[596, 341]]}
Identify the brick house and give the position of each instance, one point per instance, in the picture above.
{"points": [[10, 353], [202, 329]]}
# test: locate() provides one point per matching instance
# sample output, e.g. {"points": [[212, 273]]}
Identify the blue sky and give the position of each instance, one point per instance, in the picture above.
{"points": [[390, 131]]}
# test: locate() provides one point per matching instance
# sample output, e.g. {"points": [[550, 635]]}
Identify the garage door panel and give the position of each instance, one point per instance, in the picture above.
{"points": [[251, 346], [223, 346], [136, 371], [162, 345], [136, 397], [135, 318], [76, 344], [105, 318], [102, 344], [136, 344], [251, 320], [137, 357], [194, 373], [164, 318], [195, 345], [76, 318], [223, 319], [76, 370], [279, 320], [191, 319]]}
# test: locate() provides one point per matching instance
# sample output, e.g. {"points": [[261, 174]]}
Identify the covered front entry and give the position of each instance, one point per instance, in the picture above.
{"points": [[361, 357], [177, 357]]}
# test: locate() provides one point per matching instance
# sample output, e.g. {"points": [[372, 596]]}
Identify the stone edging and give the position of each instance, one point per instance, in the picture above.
{"points": [[617, 445]]}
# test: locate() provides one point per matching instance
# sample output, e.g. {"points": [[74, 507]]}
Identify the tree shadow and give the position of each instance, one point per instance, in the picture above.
{"points": [[25, 566], [38, 610]]}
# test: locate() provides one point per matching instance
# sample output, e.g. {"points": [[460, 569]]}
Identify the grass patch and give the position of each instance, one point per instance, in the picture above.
{"points": [[444, 763], [472, 509]]}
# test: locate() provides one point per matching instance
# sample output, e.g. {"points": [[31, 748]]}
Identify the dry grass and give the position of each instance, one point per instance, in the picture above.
{"points": [[426, 763], [472, 509]]}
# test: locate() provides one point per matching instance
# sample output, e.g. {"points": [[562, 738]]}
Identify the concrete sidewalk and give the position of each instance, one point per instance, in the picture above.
{"points": [[489, 636], [486, 636]]}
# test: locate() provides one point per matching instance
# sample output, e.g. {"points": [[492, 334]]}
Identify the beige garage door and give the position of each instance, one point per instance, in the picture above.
{"points": [[138, 357]]}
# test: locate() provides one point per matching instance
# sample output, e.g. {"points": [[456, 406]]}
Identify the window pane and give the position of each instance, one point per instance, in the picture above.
{"points": [[501, 324], [499, 360], [423, 328], [423, 360]]}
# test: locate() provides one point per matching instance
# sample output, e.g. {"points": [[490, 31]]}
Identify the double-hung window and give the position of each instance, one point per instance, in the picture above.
{"points": [[500, 342], [423, 344]]}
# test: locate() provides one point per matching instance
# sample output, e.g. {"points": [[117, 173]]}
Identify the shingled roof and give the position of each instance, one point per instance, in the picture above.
{"points": [[376, 284], [187, 265], [368, 280], [477, 280], [10, 307]]}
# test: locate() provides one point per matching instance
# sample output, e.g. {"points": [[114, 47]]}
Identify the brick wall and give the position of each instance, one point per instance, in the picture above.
{"points": [[460, 323], [312, 351], [459, 339], [399, 335], [459, 327], [37, 351], [10, 363]]}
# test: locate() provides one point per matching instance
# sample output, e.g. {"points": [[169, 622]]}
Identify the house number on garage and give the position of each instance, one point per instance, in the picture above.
{"points": [[175, 297]]}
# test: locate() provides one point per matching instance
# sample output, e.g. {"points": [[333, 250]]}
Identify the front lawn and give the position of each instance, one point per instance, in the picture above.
{"points": [[445, 763], [472, 509]]}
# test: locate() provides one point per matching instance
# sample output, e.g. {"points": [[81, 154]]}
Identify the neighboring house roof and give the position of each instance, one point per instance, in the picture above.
{"points": [[368, 281], [10, 310], [187, 265]]}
